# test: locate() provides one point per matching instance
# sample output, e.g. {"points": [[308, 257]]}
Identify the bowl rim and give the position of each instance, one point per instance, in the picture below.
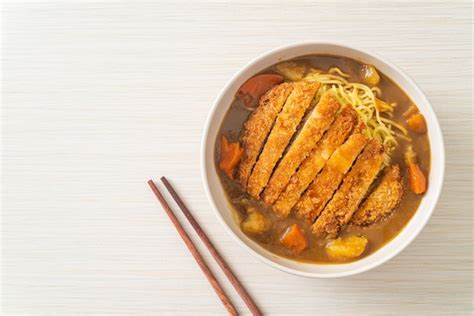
{"points": [[375, 263]]}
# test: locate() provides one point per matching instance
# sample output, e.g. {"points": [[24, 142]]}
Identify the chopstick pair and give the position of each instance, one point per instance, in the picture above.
{"points": [[198, 257]]}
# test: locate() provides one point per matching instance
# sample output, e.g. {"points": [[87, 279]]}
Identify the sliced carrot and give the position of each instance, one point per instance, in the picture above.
{"points": [[251, 91], [417, 123], [416, 178], [231, 153], [294, 239]]}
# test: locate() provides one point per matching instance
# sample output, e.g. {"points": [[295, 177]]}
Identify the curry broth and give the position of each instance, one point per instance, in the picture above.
{"points": [[379, 233]]}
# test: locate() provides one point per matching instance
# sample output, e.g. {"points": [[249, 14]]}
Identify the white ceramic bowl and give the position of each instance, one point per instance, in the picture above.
{"points": [[223, 209]]}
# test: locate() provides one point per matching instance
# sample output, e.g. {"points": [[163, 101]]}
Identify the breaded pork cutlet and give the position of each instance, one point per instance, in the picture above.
{"points": [[310, 167], [322, 189], [285, 126], [258, 126], [354, 187], [313, 129], [383, 200]]}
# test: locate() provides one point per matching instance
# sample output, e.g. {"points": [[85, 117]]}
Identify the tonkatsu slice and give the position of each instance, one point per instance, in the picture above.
{"points": [[326, 183], [383, 200], [285, 126], [256, 129], [313, 129], [312, 165], [353, 189]]}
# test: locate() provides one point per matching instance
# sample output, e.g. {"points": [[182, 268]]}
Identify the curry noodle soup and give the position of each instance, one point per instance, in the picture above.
{"points": [[323, 159]]}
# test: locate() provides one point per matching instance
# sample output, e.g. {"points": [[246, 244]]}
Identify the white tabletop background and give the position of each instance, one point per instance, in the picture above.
{"points": [[100, 97]]}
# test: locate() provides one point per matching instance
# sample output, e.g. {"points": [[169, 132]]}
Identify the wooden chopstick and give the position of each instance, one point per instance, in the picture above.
{"points": [[194, 251], [207, 242]]}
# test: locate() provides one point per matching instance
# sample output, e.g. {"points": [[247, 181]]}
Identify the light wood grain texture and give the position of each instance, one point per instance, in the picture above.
{"points": [[239, 288], [99, 97], [194, 251]]}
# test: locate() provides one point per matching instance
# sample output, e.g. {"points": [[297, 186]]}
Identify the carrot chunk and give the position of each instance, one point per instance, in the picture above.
{"points": [[231, 153], [294, 239], [416, 178], [417, 123], [251, 91]]}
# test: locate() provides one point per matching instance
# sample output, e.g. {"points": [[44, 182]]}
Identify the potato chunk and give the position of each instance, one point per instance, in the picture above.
{"points": [[346, 247], [371, 75], [255, 223], [294, 239], [291, 70]]}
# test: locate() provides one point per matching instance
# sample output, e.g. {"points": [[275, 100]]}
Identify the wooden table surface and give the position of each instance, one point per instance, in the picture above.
{"points": [[100, 96]]}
